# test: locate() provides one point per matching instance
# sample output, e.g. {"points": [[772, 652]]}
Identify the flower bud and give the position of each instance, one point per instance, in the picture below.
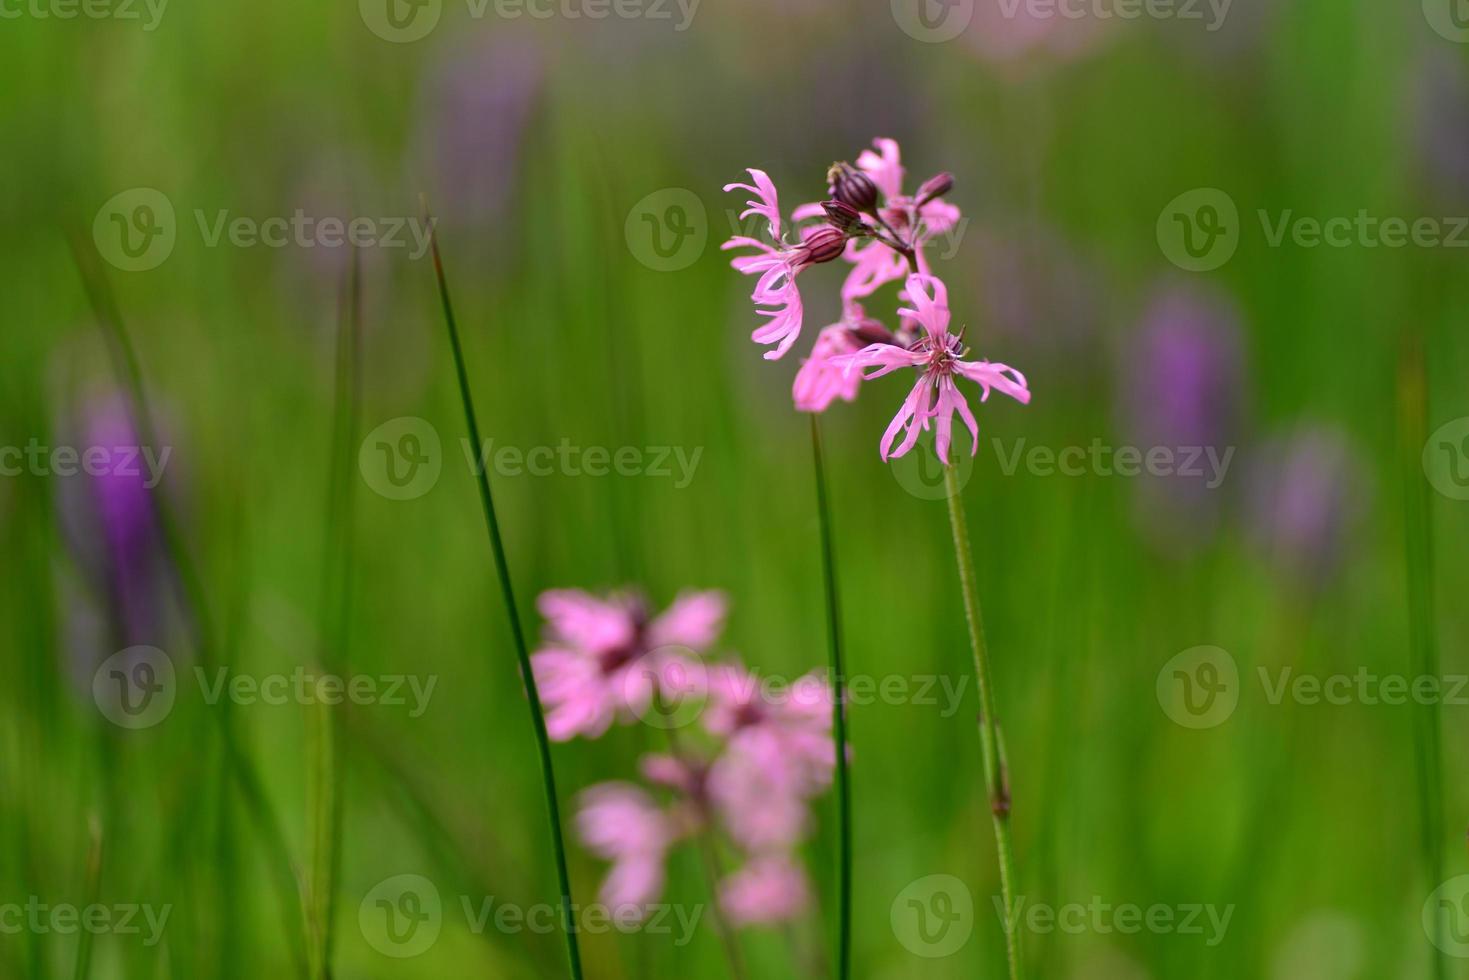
{"points": [[843, 217], [936, 186], [824, 244], [871, 331], [852, 187]]}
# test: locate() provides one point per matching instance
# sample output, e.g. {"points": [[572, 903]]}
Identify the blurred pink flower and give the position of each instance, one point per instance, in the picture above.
{"points": [[621, 823], [766, 891], [820, 381], [1026, 35], [939, 354], [778, 263], [604, 658], [778, 754]]}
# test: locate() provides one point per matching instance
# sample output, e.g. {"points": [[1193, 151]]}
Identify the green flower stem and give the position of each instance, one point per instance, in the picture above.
{"points": [[838, 713], [995, 775]]}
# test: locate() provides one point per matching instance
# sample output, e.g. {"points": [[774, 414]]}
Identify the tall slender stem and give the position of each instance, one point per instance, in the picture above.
{"points": [[997, 780], [838, 712], [1422, 637], [502, 568], [328, 770]]}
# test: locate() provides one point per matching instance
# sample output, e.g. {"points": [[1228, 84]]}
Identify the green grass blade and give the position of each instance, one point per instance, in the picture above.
{"points": [[839, 710], [502, 569]]}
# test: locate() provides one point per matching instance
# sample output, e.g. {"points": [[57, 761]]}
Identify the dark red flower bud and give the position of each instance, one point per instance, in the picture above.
{"points": [[935, 186], [843, 217], [852, 187], [824, 244], [871, 331]]}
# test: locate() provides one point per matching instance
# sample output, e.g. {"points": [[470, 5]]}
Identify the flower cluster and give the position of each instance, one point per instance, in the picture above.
{"points": [[881, 233], [748, 772]]}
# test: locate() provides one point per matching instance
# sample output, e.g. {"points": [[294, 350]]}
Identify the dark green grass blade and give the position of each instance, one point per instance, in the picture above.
{"points": [[502, 569], [839, 711]]}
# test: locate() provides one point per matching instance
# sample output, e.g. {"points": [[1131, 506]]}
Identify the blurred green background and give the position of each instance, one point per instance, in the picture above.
{"points": [[544, 145]]}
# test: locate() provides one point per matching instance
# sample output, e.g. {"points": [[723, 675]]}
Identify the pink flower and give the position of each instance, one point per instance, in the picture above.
{"points": [[778, 754], [939, 356], [621, 823], [776, 295], [766, 891], [926, 216], [821, 381], [605, 659]]}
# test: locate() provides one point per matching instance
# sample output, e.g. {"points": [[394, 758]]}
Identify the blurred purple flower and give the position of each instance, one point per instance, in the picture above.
{"points": [[1181, 382], [108, 521], [475, 108], [1306, 489], [1442, 124]]}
